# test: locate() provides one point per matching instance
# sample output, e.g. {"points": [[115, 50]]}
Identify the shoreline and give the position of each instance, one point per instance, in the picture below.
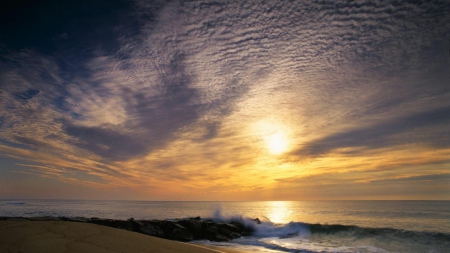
{"points": [[66, 236], [183, 230]]}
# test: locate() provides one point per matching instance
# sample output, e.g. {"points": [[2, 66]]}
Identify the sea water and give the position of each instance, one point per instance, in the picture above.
{"points": [[286, 226]]}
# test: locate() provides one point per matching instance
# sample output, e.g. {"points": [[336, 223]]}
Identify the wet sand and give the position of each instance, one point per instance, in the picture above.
{"points": [[73, 237]]}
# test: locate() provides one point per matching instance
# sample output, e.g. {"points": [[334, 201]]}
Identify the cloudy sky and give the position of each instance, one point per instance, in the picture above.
{"points": [[225, 100]]}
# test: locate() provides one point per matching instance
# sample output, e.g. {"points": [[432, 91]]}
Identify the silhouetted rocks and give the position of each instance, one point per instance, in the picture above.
{"points": [[226, 230], [149, 229], [195, 226], [210, 233], [13, 219], [135, 225], [121, 224], [181, 230]]}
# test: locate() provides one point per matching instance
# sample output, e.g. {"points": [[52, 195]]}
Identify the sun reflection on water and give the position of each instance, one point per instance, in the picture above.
{"points": [[279, 211]]}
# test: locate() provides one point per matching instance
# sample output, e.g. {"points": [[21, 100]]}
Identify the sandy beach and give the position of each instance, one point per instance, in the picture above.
{"points": [[71, 237]]}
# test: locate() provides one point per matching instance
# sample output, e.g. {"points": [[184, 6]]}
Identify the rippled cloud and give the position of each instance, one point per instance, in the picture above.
{"points": [[183, 98]]}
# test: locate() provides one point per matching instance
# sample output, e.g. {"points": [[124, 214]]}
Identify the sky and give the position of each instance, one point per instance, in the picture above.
{"points": [[224, 100]]}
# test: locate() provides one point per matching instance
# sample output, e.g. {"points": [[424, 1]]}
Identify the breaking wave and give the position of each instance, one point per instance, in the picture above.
{"points": [[307, 237]]}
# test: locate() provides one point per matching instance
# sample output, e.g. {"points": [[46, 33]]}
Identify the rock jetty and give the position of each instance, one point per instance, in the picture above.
{"points": [[184, 230]]}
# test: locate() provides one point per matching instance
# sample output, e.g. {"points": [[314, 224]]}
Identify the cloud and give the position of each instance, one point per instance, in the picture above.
{"points": [[105, 142], [436, 178], [26, 95], [143, 91], [383, 134], [151, 118]]}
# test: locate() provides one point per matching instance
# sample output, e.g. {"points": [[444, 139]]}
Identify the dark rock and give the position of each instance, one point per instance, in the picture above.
{"points": [[181, 234], [15, 219], [238, 225], [152, 230], [72, 219], [204, 224], [44, 218], [104, 222], [166, 226], [230, 227], [244, 230], [112, 223], [194, 226], [174, 231], [221, 238], [136, 225], [175, 225], [211, 232], [77, 219], [227, 233], [122, 224], [257, 221], [157, 223]]}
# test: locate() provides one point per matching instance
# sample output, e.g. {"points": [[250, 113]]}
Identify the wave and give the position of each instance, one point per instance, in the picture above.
{"points": [[364, 231], [271, 235], [302, 237]]}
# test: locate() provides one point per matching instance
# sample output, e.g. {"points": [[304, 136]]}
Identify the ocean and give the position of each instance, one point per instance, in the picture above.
{"points": [[286, 226]]}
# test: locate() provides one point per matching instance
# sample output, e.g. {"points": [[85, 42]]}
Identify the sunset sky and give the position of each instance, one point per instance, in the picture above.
{"points": [[224, 100]]}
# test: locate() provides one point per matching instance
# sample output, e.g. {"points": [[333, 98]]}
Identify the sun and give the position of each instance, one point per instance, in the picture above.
{"points": [[273, 135], [277, 143]]}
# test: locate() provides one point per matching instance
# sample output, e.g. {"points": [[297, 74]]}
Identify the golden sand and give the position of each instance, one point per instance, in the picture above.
{"points": [[73, 237]]}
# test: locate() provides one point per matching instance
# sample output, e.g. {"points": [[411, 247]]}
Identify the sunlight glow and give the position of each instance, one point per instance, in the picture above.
{"points": [[274, 135], [279, 211], [277, 143]]}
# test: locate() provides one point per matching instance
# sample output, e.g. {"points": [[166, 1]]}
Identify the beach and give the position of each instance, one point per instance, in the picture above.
{"points": [[290, 226], [71, 237]]}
